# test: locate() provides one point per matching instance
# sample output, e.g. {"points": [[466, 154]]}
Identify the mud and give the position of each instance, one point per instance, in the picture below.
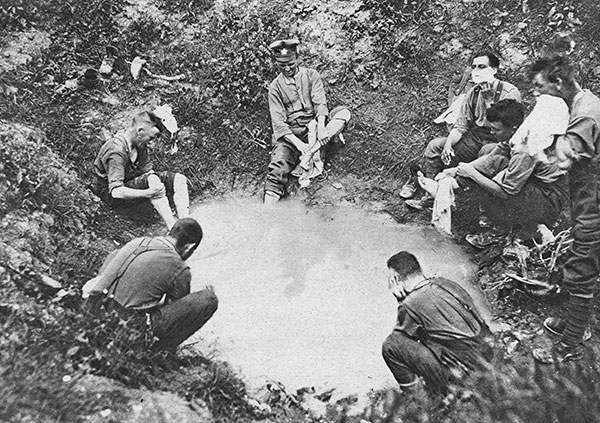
{"points": [[303, 291]]}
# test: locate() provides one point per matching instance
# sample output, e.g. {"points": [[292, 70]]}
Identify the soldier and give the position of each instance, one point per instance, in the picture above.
{"points": [[579, 151], [297, 104], [438, 327], [147, 280], [124, 172], [470, 131]]}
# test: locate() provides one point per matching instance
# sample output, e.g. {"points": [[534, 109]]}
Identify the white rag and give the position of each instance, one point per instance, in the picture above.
{"points": [[441, 218], [451, 113], [549, 117], [314, 165]]}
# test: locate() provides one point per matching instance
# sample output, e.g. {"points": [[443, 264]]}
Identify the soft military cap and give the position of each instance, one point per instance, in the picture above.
{"points": [[284, 50]]}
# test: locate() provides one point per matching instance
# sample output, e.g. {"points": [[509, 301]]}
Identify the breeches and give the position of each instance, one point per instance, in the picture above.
{"points": [[139, 182], [407, 358], [583, 265], [465, 150], [536, 203], [285, 157], [175, 322]]}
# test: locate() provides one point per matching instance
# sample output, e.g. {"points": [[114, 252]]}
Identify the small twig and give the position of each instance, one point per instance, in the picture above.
{"points": [[164, 77], [555, 255]]}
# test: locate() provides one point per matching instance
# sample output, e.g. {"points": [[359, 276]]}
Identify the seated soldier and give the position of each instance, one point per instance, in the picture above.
{"points": [[470, 131], [298, 110], [124, 173], [439, 329], [504, 117], [524, 189], [148, 281]]}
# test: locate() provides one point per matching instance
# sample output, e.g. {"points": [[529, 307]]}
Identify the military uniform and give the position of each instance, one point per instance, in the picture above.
{"points": [[582, 268], [471, 122], [293, 103]]}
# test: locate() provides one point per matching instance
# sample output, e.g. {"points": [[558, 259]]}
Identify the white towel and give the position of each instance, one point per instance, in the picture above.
{"points": [[549, 117], [441, 218], [314, 165]]}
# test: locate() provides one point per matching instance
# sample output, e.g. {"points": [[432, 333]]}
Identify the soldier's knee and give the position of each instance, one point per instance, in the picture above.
{"points": [[387, 346], [435, 147], [343, 114], [211, 300], [179, 182], [154, 180]]}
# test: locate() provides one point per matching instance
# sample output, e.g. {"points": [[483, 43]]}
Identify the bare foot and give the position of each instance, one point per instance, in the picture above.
{"points": [[429, 185]]}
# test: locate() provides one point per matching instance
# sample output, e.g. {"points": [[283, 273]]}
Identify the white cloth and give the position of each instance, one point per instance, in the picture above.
{"points": [[313, 167], [165, 113], [451, 113], [89, 287], [441, 218], [549, 117]]}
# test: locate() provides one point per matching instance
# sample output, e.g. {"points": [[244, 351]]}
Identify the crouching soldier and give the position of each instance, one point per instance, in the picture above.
{"points": [[301, 121], [438, 329], [148, 279]]}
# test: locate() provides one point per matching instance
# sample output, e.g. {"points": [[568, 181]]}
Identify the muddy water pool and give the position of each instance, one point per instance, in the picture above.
{"points": [[303, 296]]}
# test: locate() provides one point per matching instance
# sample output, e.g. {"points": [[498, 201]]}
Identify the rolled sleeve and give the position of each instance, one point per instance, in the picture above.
{"points": [[515, 176], [465, 115], [582, 134], [115, 171]]}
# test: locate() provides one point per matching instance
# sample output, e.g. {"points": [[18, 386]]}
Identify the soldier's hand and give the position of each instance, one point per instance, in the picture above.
{"points": [[466, 170], [447, 154], [447, 173]]}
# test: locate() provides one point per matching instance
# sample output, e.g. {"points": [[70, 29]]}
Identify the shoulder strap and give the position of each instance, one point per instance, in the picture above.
{"points": [[498, 92], [143, 247]]}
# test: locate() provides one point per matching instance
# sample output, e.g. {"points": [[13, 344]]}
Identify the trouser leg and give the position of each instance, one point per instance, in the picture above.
{"points": [[433, 157], [582, 268], [533, 205], [175, 322], [284, 159], [338, 120], [407, 358], [467, 149]]}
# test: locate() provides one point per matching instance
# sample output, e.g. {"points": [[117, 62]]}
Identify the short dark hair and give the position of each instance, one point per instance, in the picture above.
{"points": [[508, 112], [552, 68], [186, 231], [492, 58], [404, 263]]}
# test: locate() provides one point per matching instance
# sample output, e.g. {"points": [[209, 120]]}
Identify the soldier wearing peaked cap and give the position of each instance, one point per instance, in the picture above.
{"points": [[296, 103]]}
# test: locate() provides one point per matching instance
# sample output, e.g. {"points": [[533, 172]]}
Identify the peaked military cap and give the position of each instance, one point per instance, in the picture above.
{"points": [[284, 49]]}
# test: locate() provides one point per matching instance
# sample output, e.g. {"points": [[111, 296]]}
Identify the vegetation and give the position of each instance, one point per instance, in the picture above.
{"points": [[52, 225]]}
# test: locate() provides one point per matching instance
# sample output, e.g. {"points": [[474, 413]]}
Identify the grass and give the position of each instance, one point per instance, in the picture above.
{"points": [[57, 227]]}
